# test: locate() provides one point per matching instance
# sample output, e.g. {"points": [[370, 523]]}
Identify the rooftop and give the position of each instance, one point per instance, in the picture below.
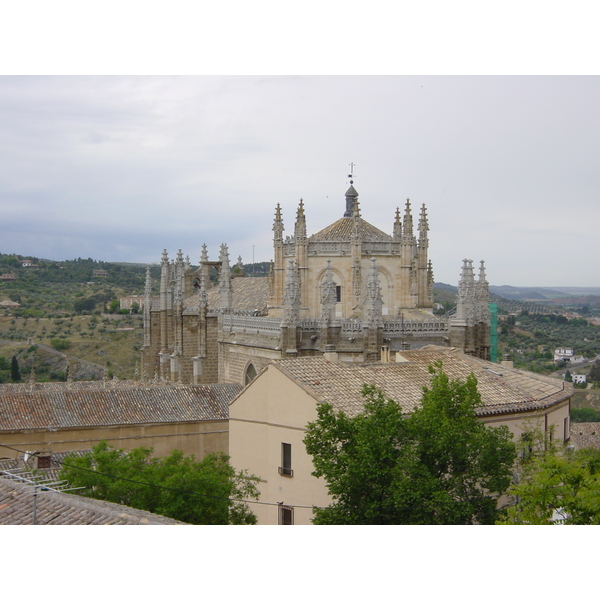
{"points": [[502, 389], [59, 508], [343, 229], [585, 435], [249, 293], [43, 406]]}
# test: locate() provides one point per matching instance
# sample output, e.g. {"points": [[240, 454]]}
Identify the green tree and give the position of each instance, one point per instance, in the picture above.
{"points": [[208, 492], [556, 488], [594, 374], [568, 376], [114, 306], [439, 465], [135, 308], [84, 304], [15, 374], [584, 415]]}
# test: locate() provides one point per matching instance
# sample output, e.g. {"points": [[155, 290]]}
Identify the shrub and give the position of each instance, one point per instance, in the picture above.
{"points": [[59, 344]]}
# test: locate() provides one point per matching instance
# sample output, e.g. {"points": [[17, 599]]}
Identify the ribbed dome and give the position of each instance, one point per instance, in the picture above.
{"points": [[342, 230]]}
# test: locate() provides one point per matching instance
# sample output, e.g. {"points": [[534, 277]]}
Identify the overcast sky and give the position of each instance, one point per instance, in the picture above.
{"points": [[118, 168]]}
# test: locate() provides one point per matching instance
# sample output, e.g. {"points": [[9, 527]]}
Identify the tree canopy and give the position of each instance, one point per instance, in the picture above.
{"points": [[438, 465], [208, 492], [553, 486]]}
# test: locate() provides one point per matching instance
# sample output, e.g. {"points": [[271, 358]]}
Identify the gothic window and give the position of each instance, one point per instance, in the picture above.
{"points": [[250, 374], [338, 293]]}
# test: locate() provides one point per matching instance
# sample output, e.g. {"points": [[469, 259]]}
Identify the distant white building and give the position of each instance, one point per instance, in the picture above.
{"points": [[564, 354], [577, 378]]}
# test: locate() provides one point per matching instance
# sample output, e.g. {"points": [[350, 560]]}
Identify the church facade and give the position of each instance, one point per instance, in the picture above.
{"points": [[350, 288]]}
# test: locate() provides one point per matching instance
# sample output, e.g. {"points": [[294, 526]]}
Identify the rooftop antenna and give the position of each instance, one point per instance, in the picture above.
{"points": [[37, 484], [351, 174]]}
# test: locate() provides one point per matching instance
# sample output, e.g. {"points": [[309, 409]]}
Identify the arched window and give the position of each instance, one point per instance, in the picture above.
{"points": [[250, 374]]}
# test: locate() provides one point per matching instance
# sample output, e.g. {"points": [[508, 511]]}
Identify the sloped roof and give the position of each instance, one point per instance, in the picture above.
{"points": [[502, 389], [585, 435], [343, 228], [59, 408], [248, 293], [56, 508]]}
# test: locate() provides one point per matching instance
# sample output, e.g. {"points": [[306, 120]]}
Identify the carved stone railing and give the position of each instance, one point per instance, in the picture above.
{"points": [[251, 324], [399, 328], [351, 326], [309, 325]]}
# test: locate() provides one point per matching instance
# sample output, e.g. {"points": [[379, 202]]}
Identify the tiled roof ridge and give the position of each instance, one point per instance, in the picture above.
{"points": [[106, 407], [341, 383]]}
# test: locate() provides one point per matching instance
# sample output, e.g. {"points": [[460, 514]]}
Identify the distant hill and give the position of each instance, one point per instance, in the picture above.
{"points": [[542, 293]]}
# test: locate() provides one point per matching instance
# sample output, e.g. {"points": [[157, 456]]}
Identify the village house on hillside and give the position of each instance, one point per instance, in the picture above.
{"points": [[267, 420]]}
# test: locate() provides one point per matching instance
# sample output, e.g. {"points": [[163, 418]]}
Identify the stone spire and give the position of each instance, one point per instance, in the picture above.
{"points": [[202, 294], [483, 294], [430, 281], [408, 222], [147, 306], [351, 198], [291, 295], [300, 228], [465, 304], [178, 277], [278, 225], [240, 266], [204, 255], [398, 225], [225, 278], [373, 304], [164, 280], [423, 228]]}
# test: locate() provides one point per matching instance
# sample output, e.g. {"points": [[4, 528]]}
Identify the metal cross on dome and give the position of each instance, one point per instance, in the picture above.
{"points": [[351, 174]]}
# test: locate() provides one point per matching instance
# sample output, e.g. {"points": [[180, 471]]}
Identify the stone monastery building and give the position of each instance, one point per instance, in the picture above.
{"points": [[349, 288]]}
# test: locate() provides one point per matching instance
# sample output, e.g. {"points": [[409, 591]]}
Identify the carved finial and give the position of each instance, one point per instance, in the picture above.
{"points": [[397, 225], [300, 228], [278, 224], [423, 223], [165, 258], [482, 271], [408, 220], [204, 255]]}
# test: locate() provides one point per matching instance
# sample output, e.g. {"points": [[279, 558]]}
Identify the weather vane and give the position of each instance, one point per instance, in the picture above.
{"points": [[351, 174]]}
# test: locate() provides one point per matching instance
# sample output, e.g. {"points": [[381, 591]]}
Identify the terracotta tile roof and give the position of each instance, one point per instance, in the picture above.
{"points": [[585, 435], [502, 389], [343, 228], [121, 406], [55, 508], [249, 293]]}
